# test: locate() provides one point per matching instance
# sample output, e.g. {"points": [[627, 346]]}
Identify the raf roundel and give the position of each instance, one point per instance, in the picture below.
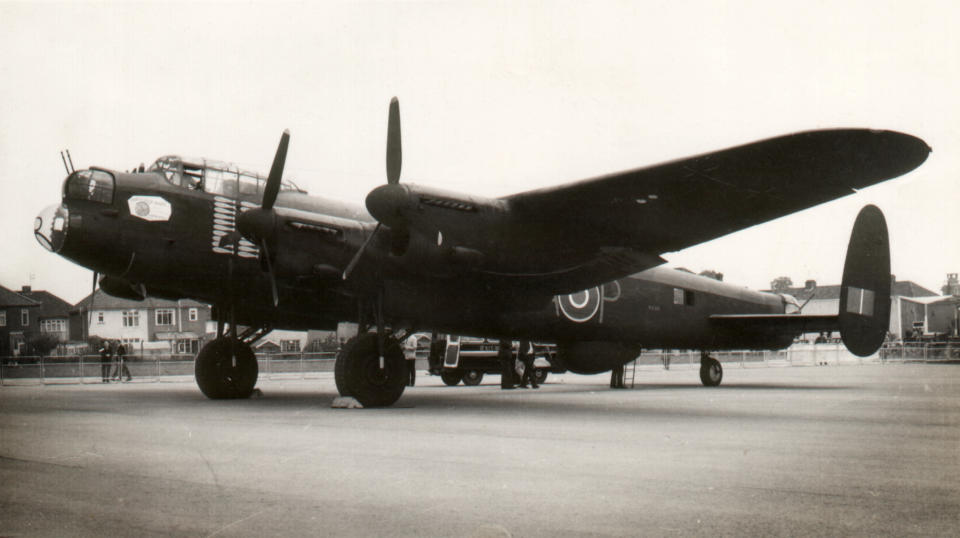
{"points": [[581, 306]]}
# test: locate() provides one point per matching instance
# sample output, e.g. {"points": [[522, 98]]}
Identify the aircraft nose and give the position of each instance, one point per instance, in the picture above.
{"points": [[50, 227]]}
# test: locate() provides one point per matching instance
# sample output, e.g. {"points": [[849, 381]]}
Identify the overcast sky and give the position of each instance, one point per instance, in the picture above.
{"points": [[495, 98]]}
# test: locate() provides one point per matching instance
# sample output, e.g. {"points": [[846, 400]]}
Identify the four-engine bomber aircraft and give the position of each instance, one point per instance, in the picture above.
{"points": [[574, 264]]}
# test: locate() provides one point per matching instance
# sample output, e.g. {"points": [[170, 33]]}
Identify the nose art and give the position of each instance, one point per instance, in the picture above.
{"points": [[50, 227]]}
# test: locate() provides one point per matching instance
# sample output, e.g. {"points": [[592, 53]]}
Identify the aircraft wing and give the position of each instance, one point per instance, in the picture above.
{"points": [[679, 204]]}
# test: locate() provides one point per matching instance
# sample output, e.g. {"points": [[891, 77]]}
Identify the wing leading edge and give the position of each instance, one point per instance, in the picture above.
{"points": [[671, 206]]}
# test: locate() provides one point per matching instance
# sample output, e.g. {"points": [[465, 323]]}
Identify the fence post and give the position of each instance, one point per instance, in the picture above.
{"points": [[43, 377], [303, 374]]}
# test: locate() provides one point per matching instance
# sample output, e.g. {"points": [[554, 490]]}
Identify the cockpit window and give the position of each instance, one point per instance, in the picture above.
{"points": [[93, 185], [214, 177]]}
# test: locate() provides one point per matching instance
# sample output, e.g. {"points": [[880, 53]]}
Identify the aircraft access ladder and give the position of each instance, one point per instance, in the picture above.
{"points": [[629, 373]]}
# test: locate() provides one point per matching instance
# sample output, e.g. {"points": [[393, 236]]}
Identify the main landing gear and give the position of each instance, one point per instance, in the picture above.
{"points": [[711, 373], [226, 368], [359, 374]]}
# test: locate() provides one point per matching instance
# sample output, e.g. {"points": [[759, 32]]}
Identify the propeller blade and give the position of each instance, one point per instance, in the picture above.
{"points": [[273, 281], [356, 257], [394, 150], [276, 172]]}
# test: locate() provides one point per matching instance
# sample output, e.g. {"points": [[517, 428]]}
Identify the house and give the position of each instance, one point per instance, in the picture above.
{"points": [[18, 322], [53, 314], [904, 310], [152, 324]]}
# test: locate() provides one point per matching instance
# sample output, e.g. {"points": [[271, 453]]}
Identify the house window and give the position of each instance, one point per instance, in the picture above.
{"points": [[164, 316], [24, 317], [287, 346], [188, 346], [99, 318], [53, 326], [131, 318], [193, 314], [3, 318]]}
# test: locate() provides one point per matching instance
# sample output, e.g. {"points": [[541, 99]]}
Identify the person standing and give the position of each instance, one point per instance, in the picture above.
{"points": [[410, 353], [119, 355], [527, 357], [106, 360]]}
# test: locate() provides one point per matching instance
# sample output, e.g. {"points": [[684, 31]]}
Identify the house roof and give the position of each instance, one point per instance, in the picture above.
{"points": [[51, 306], [102, 301], [904, 288], [932, 300], [12, 298]]}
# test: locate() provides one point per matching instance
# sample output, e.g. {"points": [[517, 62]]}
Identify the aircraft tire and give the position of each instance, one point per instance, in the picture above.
{"points": [[357, 371], [541, 375], [711, 372], [217, 375], [450, 377], [472, 378]]}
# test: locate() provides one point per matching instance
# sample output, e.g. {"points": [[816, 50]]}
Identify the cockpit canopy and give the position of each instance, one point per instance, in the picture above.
{"points": [[215, 177]]}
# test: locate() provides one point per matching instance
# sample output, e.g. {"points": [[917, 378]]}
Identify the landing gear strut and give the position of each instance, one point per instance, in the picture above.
{"points": [[359, 373], [226, 368], [711, 373]]}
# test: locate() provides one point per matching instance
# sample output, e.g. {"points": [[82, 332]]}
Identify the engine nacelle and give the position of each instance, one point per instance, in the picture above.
{"points": [[595, 357], [122, 288]]}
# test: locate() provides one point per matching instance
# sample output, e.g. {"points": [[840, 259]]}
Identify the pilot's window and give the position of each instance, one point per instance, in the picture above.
{"points": [[219, 181], [250, 184], [93, 185], [193, 177]]}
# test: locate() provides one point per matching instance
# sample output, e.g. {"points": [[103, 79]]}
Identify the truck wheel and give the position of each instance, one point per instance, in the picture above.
{"points": [[450, 377], [541, 375], [472, 378]]}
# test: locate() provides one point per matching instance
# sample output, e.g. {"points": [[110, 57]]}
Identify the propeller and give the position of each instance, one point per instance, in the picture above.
{"points": [[259, 225], [390, 194]]}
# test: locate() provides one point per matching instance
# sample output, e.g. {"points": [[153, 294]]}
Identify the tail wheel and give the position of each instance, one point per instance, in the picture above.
{"points": [[225, 369], [451, 377], [358, 372], [711, 372], [472, 378]]}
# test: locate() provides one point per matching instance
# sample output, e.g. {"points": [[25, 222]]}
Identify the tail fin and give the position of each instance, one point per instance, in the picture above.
{"points": [[864, 316]]}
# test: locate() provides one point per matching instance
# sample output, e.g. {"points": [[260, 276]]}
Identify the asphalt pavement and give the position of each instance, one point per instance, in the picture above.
{"points": [[839, 450]]}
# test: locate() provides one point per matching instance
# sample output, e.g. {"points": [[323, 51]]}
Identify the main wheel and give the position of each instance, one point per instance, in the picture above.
{"points": [[225, 369], [358, 374], [472, 378], [711, 373], [541, 375], [450, 377]]}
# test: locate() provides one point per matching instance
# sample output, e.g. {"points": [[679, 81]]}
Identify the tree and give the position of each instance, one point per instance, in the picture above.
{"points": [[42, 344], [781, 284], [716, 275]]}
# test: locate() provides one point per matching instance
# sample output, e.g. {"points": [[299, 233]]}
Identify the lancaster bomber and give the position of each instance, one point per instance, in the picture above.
{"points": [[577, 264]]}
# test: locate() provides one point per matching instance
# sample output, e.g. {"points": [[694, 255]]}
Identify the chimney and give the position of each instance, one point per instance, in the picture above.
{"points": [[26, 289]]}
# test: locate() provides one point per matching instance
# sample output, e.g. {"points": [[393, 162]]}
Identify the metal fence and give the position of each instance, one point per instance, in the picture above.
{"points": [[90, 369], [87, 368]]}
